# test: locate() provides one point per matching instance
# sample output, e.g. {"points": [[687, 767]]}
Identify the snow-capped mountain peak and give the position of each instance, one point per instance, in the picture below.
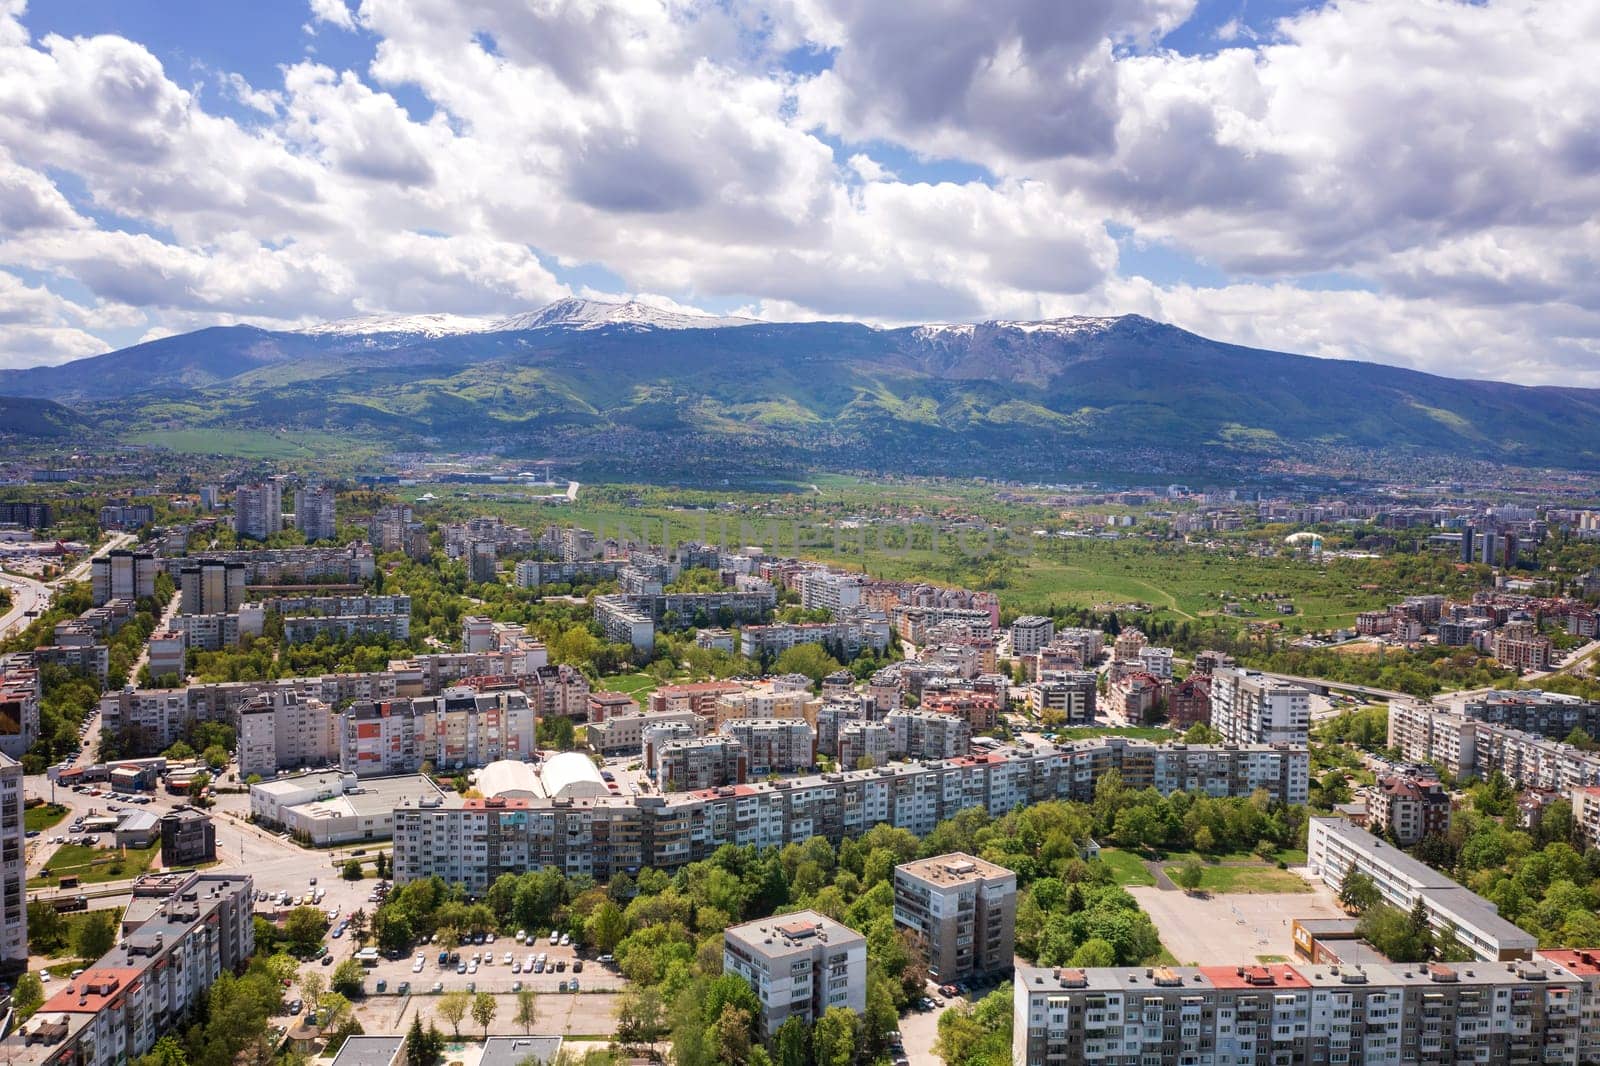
{"points": [[1072, 325], [429, 325], [575, 313]]}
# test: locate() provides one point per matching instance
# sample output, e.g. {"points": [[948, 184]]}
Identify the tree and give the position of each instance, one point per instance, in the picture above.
{"points": [[352, 870], [312, 986], [28, 996], [382, 864], [452, 1007], [94, 934], [792, 1043], [420, 1049], [47, 930], [728, 1035], [304, 927], [1092, 953], [1357, 892], [483, 1010], [167, 1051], [527, 1009], [1190, 874], [812, 660], [359, 923], [606, 926], [348, 977], [833, 1038]]}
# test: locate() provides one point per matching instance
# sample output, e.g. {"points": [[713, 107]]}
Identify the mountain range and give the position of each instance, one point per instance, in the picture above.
{"points": [[630, 385]]}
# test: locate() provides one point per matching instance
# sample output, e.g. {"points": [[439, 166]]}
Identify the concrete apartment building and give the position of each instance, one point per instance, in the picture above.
{"points": [[458, 729], [284, 730], [1030, 633], [314, 512], [624, 734], [122, 575], [1334, 847], [862, 631], [344, 626], [20, 692], [799, 965], [1467, 747], [775, 745], [13, 866], [258, 509], [188, 837], [864, 743], [687, 764], [126, 516], [210, 587], [1251, 708], [927, 735], [834, 714], [179, 934], [1520, 646], [349, 565], [1370, 1015], [605, 835], [1409, 807], [962, 913], [829, 590]]}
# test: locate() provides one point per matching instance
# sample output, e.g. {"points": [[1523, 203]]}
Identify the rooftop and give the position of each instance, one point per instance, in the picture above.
{"points": [[791, 933], [369, 1051], [515, 1050], [956, 868]]}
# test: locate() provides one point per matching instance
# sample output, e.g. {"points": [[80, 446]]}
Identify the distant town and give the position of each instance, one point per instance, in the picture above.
{"points": [[855, 771]]}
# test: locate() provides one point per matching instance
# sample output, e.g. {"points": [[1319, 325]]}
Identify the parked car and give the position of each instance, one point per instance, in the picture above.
{"points": [[403, 988], [573, 986], [577, 965], [438, 986], [461, 967], [950, 990], [296, 1006], [566, 939], [516, 986]]}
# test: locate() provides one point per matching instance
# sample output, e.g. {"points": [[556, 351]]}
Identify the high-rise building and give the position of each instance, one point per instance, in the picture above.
{"points": [[799, 965], [21, 689], [961, 912], [1252, 708], [210, 587], [188, 837], [1030, 633], [13, 866], [313, 512], [122, 575], [258, 509]]}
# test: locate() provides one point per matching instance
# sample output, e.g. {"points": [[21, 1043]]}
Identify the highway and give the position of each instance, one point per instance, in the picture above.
{"points": [[26, 595]]}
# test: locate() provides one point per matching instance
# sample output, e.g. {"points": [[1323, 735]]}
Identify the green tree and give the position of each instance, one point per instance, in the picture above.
{"points": [[483, 1011], [527, 1009], [452, 1007], [1092, 953], [28, 996], [419, 1050], [833, 1038], [94, 934], [348, 977], [792, 1043], [812, 660], [1357, 892], [167, 1051], [47, 930], [605, 927], [1189, 875], [304, 928], [352, 870]]}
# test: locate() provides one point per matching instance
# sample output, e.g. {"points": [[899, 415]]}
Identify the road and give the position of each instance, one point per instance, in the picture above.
{"points": [[80, 572], [26, 595]]}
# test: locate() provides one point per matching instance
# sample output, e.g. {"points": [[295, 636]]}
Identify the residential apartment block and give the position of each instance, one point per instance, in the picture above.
{"points": [[623, 734], [1251, 708], [1491, 1012], [122, 575], [284, 730], [1030, 633], [605, 835], [1409, 807], [863, 744], [775, 745], [179, 934], [799, 965], [687, 764], [13, 866], [961, 912], [258, 509], [314, 513], [210, 586], [457, 729], [20, 692], [927, 735], [1334, 847]]}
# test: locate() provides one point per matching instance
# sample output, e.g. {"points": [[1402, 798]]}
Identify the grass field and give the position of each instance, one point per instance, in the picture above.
{"points": [[95, 865], [72, 921], [246, 443], [636, 685], [1128, 868], [38, 819], [1256, 879], [1134, 732], [1177, 582]]}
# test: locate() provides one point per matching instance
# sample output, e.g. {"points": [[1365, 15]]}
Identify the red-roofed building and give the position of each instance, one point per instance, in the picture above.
{"points": [[1409, 807]]}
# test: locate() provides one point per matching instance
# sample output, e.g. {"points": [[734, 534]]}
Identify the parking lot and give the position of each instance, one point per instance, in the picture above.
{"points": [[496, 976], [1229, 928]]}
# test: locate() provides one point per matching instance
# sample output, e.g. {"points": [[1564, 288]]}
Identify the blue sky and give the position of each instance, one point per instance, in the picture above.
{"points": [[1374, 179]]}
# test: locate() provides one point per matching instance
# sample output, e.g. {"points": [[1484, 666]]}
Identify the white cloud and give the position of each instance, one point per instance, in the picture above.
{"points": [[1445, 156]]}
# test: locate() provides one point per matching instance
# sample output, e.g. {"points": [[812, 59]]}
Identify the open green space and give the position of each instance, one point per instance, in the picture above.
{"points": [[1255, 879], [1127, 867], [247, 443], [38, 819], [93, 866], [1133, 732], [636, 685]]}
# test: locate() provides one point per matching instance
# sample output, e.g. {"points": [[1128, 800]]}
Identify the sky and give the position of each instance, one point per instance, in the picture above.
{"points": [[1413, 182]]}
